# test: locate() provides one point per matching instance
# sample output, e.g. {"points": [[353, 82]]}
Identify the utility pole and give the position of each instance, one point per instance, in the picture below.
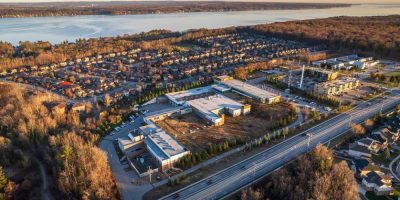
{"points": [[350, 119], [289, 78], [149, 171], [254, 169]]}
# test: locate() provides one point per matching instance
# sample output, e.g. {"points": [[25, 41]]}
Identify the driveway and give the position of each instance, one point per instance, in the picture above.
{"points": [[124, 176]]}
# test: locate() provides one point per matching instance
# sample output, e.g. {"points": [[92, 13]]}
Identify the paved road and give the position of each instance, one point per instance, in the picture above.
{"points": [[45, 193], [232, 179], [122, 177], [395, 171]]}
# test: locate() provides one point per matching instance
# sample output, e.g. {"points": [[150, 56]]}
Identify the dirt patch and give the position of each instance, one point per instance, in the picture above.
{"points": [[193, 132]]}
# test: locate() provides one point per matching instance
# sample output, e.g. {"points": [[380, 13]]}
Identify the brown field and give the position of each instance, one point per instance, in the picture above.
{"points": [[191, 130]]}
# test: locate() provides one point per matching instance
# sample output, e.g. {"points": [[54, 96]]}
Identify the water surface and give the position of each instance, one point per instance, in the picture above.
{"points": [[59, 29]]}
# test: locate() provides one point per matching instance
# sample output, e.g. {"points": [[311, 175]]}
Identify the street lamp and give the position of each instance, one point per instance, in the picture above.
{"points": [[254, 169]]}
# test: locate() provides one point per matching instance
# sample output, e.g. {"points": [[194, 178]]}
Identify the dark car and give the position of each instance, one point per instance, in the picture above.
{"points": [[175, 196], [209, 182]]}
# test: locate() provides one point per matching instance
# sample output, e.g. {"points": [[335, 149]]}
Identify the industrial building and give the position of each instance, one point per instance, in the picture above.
{"points": [[164, 148], [129, 142], [207, 104], [344, 62], [247, 90], [180, 98], [213, 108]]}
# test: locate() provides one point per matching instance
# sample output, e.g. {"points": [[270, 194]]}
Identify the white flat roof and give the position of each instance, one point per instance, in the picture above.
{"points": [[164, 145], [124, 141], [220, 88], [149, 128], [177, 96], [208, 104], [249, 89]]}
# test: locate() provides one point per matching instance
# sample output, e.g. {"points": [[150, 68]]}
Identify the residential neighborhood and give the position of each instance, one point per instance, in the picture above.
{"points": [[236, 100]]}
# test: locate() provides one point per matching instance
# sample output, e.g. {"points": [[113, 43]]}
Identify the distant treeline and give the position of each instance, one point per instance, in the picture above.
{"points": [[378, 35], [126, 8]]}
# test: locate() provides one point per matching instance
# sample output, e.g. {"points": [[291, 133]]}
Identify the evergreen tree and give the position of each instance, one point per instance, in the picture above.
{"points": [[387, 154], [3, 179]]}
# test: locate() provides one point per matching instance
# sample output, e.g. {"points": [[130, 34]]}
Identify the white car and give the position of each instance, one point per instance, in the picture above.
{"points": [[117, 128]]}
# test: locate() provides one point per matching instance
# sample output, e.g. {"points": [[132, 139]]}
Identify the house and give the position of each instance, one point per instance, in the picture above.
{"points": [[388, 134], [79, 107], [362, 167], [364, 147], [359, 151], [377, 182], [59, 108], [385, 136]]}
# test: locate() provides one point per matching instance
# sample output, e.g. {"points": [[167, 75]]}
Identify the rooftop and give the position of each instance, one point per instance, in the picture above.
{"points": [[378, 179], [207, 105], [250, 89], [182, 96], [220, 88], [124, 141], [164, 145], [149, 128], [359, 148]]}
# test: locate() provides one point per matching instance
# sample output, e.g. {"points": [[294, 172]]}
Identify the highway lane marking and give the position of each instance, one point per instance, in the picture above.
{"points": [[292, 138]]}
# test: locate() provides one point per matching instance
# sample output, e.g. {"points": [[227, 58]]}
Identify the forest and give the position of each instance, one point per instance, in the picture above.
{"points": [[376, 36], [312, 176], [32, 134], [8, 10]]}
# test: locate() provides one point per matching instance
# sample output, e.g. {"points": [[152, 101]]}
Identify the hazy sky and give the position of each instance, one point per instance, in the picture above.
{"points": [[312, 1]]}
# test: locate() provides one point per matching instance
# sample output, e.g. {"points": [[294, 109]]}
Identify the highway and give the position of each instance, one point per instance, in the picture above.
{"points": [[232, 179]]}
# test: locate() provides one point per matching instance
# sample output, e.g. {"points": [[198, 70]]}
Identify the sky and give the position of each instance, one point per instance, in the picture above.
{"points": [[308, 1]]}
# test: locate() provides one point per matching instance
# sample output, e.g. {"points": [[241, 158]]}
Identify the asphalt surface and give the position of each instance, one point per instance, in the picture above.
{"points": [[122, 177], [299, 101], [232, 179]]}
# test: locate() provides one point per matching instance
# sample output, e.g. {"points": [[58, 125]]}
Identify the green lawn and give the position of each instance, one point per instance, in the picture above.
{"points": [[392, 74]]}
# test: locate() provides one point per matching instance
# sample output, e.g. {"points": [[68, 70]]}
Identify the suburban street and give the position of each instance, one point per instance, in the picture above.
{"points": [[232, 179]]}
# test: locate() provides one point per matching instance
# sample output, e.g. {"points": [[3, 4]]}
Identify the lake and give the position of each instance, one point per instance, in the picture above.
{"points": [[58, 29]]}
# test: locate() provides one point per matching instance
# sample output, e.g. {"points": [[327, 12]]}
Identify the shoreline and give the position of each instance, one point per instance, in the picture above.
{"points": [[49, 11]]}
